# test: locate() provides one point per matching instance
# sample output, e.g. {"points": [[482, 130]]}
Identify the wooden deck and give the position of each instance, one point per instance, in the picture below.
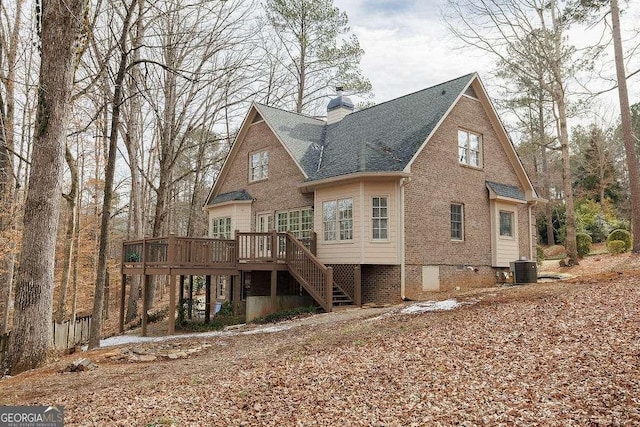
{"points": [[180, 256]]}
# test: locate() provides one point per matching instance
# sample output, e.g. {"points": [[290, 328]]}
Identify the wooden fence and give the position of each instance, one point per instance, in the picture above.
{"points": [[65, 335]]}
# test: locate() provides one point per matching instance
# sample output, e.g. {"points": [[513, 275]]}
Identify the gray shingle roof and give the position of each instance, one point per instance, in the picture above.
{"points": [[385, 137], [504, 190], [231, 196], [382, 138], [301, 134]]}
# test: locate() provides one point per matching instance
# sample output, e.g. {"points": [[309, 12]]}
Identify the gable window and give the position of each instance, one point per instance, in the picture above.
{"points": [[259, 166], [380, 218], [337, 219], [506, 224], [221, 228], [469, 148], [457, 221]]}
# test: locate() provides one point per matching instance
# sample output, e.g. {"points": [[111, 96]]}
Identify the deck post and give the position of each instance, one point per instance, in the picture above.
{"points": [[207, 299], [357, 285], [145, 303], [274, 252], [181, 299], [171, 249], [191, 297], [329, 289], [123, 290], [313, 247], [274, 286], [237, 251], [236, 281], [172, 304]]}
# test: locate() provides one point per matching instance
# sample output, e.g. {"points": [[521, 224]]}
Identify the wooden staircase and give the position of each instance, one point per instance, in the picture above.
{"points": [[340, 297]]}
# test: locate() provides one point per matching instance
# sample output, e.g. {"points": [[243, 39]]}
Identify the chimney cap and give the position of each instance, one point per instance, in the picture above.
{"points": [[340, 101]]}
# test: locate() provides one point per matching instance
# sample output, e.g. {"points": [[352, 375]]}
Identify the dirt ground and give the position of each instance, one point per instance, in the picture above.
{"points": [[560, 353]]}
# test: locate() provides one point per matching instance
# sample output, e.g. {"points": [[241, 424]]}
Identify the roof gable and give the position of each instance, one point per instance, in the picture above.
{"points": [[385, 137]]}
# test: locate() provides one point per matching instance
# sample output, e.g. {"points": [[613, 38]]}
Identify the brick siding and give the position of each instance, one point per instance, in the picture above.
{"points": [[380, 284], [439, 180], [280, 190]]}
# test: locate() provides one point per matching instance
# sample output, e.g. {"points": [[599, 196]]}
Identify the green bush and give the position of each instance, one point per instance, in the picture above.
{"points": [[539, 254], [616, 246], [622, 235], [583, 242]]}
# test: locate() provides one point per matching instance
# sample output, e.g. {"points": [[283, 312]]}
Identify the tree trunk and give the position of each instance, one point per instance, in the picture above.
{"points": [[133, 143], [98, 296], [7, 179], [32, 337], [69, 235], [567, 182], [627, 133]]}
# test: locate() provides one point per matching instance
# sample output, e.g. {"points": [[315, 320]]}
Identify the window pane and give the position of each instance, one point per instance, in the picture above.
{"points": [[506, 224], [282, 222], [329, 210], [456, 222], [379, 219], [474, 142], [462, 154]]}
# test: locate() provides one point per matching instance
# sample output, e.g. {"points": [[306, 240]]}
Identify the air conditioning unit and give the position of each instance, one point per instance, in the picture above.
{"points": [[524, 271]]}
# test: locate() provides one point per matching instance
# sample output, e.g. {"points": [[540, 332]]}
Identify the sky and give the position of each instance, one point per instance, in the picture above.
{"points": [[408, 47]]}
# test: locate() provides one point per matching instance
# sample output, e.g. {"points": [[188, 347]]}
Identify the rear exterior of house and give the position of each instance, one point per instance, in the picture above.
{"points": [[419, 194]]}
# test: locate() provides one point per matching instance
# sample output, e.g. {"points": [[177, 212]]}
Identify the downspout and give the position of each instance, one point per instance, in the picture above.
{"points": [[531, 205], [403, 273]]}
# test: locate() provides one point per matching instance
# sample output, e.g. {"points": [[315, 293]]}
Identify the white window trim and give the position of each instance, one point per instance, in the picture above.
{"points": [[336, 222], [219, 235], [388, 217], [288, 227], [480, 149], [263, 177], [462, 209]]}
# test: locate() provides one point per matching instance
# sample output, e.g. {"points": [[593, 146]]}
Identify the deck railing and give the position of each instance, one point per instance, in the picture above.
{"points": [[172, 251], [314, 276]]}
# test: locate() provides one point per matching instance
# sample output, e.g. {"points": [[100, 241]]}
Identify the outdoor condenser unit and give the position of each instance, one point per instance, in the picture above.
{"points": [[524, 271]]}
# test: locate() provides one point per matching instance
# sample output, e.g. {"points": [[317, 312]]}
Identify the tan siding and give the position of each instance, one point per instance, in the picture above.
{"points": [[380, 252], [506, 249], [337, 252], [240, 214]]}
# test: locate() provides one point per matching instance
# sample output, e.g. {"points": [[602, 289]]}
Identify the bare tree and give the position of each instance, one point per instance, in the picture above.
{"points": [[320, 51], [627, 132], [8, 57], [31, 338], [70, 232], [98, 296]]}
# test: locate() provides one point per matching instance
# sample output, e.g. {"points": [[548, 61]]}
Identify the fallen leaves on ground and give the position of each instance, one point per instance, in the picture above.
{"points": [[547, 354]]}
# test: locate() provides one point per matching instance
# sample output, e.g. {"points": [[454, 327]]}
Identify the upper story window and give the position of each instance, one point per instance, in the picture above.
{"points": [[259, 166], [380, 218], [469, 148], [221, 228], [506, 224], [337, 219], [457, 221]]}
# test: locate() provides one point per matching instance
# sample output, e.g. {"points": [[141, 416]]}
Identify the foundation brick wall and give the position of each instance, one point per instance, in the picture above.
{"points": [[380, 284]]}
